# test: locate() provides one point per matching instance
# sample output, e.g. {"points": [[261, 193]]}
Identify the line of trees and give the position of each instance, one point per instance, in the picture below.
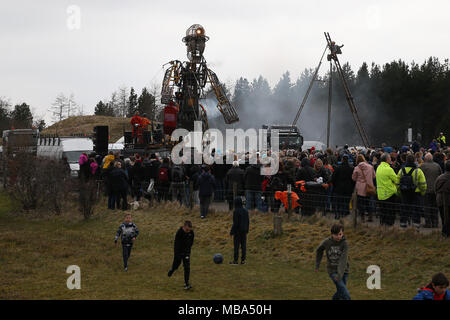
{"points": [[125, 102], [18, 117], [390, 99]]}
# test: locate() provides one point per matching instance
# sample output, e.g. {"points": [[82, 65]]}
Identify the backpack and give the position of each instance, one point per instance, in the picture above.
{"points": [[407, 182], [163, 174], [177, 174]]}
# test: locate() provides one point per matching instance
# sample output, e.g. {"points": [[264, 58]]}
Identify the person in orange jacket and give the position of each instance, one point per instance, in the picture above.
{"points": [[143, 127], [144, 122], [283, 197]]}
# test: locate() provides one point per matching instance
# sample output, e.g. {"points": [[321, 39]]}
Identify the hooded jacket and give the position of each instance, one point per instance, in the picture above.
{"points": [[342, 180], [428, 293], [387, 181], [363, 175], [83, 159], [127, 231], [206, 184], [283, 197], [432, 171], [183, 242], [418, 177], [337, 256], [108, 160], [117, 179], [253, 178], [234, 175], [442, 188], [306, 173], [241, 221]]}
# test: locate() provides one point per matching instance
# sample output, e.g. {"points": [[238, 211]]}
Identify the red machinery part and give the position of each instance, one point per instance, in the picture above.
{"points": [[170, 118]]}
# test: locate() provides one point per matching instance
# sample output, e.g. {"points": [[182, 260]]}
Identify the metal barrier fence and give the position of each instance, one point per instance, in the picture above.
{"points": [[415, 212]]}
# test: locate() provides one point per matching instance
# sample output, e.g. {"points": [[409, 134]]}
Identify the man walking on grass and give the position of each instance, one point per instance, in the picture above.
{"points": [[239, 230], [336, 248]]}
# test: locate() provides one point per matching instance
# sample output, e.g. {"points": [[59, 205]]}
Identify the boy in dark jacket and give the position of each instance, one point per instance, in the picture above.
{"points": [[435, 290], [184, 239], [128, 232], [239, 230], [336, 248]]}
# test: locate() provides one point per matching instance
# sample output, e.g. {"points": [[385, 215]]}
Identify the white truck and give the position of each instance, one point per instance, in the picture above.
{"points": [[70, 147]]}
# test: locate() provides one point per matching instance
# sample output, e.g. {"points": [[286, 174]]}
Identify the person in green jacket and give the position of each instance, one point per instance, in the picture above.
{"points": [[441, 140], [387, 182], [412, 188]]}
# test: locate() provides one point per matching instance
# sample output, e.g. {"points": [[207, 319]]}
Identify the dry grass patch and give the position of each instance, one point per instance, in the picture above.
{"points": [[35, 253]]}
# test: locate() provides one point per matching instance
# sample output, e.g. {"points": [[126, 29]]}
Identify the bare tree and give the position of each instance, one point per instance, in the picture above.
{"points": [[59, 107], [155, 91], [71, 105], [123, 101], [114, 104]]}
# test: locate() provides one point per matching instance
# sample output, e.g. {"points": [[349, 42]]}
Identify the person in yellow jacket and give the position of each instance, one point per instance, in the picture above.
{"points": [[412, 188], [108, 159], [441, 140], [387, 182]]}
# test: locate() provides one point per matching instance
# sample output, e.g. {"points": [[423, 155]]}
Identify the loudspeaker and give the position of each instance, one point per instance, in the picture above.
{"points": [[146, 135], [100, 139], [128, 137]]}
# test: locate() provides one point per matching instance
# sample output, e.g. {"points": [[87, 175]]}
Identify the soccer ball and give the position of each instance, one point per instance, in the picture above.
{"points": [[218, 258]]}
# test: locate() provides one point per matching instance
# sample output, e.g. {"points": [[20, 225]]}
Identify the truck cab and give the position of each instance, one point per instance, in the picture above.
{"points": [[289, 136]]}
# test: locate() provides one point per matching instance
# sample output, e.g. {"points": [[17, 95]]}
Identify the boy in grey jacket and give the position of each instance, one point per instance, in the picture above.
{"points": [[336, 248], [128, 232]]}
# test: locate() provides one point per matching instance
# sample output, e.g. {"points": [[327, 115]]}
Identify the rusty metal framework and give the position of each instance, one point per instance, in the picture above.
{"points": [[184, 82], [334, 51]]}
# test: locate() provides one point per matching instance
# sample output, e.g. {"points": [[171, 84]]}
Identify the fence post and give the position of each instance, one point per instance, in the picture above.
{"points": [[355, 208], [277, 222]]}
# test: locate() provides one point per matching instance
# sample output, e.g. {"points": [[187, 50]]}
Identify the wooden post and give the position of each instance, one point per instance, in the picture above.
{"points": [[277, 222], [355, 208]]}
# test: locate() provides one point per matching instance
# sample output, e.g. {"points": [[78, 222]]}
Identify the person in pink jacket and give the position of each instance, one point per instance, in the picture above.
{"points": [[93, 165], [363, 175]]}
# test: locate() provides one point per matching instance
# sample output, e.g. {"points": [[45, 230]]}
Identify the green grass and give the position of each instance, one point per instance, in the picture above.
{"points": [[35, 252]]}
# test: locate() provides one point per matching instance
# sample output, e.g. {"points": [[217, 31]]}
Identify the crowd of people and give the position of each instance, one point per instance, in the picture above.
{"points": [[409, 182]]}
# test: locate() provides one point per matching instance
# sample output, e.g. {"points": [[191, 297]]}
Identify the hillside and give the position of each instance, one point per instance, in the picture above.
{"points": [[86, 124], [35, 252]]}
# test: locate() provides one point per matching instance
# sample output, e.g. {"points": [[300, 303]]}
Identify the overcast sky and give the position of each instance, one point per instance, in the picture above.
{"points": [[43, 50]]}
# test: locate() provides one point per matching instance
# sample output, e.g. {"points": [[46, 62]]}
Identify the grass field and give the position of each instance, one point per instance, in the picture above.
{"points": [[36, 250]]}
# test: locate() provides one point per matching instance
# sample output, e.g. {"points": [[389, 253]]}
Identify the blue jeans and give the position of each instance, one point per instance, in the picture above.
{"points": [[253, 200], [341, 287], [126, 250], [111, 200]]}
